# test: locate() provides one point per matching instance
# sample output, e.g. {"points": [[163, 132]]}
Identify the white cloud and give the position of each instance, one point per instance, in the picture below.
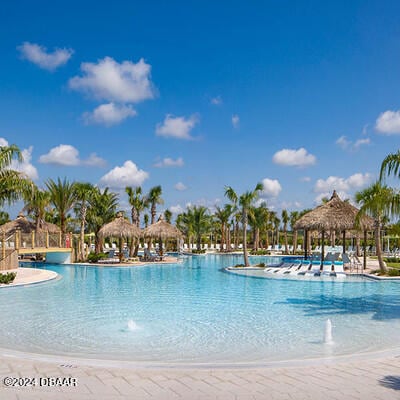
{"points": [[44, 59], [388, 123], [271, 187], [305, 179], [177, 127], [109, 114], [178, 209], [361, 142], [343, 142], [180, 186], [343, 186], [68, 155], [109, 80], [235, 121], [25, 166], [127, 175], [216, 101], [3, 142], [346, 144], [169, 162], [95, 161], [296, 158]]}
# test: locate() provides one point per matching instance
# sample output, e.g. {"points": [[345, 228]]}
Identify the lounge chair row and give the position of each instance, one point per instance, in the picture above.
{"points": [[309, 268]]}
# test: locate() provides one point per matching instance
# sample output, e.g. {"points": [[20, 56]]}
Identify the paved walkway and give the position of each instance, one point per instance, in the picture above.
{"points": [[375, 379], [27, 276]]}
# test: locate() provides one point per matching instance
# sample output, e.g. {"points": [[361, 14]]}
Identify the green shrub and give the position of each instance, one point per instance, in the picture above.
{"points": [[261, 265], [392, 259], [394, 272], [260, 252], [94, 257], [8, 277], [239, 266], [198, 251]]}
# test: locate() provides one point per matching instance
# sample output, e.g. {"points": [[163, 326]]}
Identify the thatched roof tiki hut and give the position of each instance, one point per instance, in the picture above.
{"points": [[120, 228], [337, 215], [162, 230]]}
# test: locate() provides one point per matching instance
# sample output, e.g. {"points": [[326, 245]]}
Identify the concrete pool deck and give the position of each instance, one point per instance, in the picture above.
{"points": [[376, 378], [27, 276]]}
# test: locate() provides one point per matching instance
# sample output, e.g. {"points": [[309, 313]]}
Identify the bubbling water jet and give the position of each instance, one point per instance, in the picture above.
{"points": [[328, 332]]}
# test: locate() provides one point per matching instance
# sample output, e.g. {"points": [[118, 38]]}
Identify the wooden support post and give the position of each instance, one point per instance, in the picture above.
{"points": [[33, 239], [17, 239], [47, 239], [60, 240], [365, 251], [3, 246]]}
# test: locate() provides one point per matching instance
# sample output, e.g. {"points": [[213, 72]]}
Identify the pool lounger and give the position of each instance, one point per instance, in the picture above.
{"points": [[305, 266], [339, 271], [315, 269]]}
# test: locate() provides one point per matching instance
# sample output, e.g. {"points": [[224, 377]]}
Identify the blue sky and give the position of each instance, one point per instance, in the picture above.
{"points": [[302, 96]]}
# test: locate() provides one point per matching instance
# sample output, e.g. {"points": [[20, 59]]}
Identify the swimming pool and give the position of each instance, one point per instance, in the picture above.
{"points": [[194, 313]]}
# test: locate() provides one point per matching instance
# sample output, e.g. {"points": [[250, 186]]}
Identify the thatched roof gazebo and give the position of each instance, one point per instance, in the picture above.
{"points": [[120, 228], [335, 214], [162, 230]]}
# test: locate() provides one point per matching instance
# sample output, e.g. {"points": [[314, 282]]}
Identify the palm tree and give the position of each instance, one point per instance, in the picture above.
{"points": [[103, 207], [146, 220], [379, 202], [222, 215], [168, 216], [285, 221], [4, 217], [13, 183], [245, 201], [258, 217], [154, 198], [62, 196], [138, 203], [83, 196], [390, 165], [200, 221], [37, 202]]}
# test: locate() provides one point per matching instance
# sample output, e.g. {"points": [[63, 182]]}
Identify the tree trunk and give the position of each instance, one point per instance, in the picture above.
{"points": [[245, 255], [384, 269], [286, 242], [295, 241], [236, 235]]}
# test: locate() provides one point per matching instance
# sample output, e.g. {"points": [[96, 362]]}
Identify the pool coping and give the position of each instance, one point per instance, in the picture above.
{"points": [[32, 277]]}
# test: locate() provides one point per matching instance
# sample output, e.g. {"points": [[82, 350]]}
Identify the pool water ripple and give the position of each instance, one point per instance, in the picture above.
{"points": [[194, 312]]}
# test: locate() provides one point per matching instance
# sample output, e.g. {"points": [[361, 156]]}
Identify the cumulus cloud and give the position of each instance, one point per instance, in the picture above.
{"points": [[177, 209], [271, 187], [109, 80], [388, 123], [126, 175], [216, 101], [344, 186], [42, 58], [305, 179], [109, 114], [68, 155], [235, 120], [169, 162], [177, 127], [180, 186], [294, 158], [346, 144], [3, 142]]}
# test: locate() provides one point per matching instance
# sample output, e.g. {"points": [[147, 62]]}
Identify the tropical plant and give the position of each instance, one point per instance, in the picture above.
{"points": [[258, 217], [168, 216], [285, 221], [62, 197], [37, 203], [390, 165], [244, 201], [153, 198], [4, 217], [102, 210], [379, 202], [83, 196], [222, 215], [13, 183], [200, 222]]}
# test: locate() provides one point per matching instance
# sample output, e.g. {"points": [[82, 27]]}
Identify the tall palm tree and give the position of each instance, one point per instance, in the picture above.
{"points": [[379, 202], [83, 196], [13, 183], [4, 217], [103, 207], [138, 203], [146, 220], [258, 217], [285, 221], [168, 215], [154, 198], [62, 196], [222, 215], [37, 202], [245, 201]]}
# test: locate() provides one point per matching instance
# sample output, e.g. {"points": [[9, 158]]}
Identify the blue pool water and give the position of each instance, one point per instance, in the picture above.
{"points": [[194, 313]]}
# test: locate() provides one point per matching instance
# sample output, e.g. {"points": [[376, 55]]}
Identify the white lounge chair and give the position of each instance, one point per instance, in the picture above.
{"points": [[327, 268], [305, 266], [315, 269], [338, 268]]}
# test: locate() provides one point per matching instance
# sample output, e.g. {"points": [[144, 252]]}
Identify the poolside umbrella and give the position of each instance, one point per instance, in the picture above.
{"points": [[162, 230], [120, 228], [335, 214]]}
